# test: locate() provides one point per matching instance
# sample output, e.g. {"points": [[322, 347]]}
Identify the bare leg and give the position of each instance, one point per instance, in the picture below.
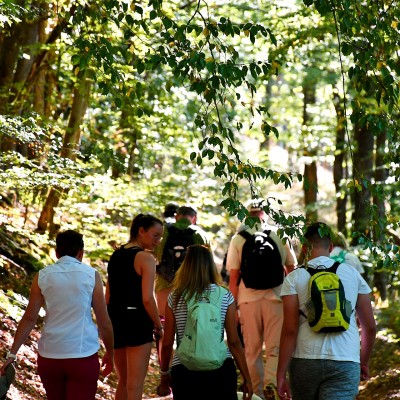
{"points": [[120, 362], [137, 363]]}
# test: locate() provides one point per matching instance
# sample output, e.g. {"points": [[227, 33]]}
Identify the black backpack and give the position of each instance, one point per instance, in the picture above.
{"points": [[261, 266], [174, 251]]}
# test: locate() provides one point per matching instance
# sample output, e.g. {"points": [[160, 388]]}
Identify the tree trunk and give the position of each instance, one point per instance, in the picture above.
{"points": [[8, 58], [340, 171], [362, 173], [310, 187], [69, 149], [380, 175], [310, 184]]}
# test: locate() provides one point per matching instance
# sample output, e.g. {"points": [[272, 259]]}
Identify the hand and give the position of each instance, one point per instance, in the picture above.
{"points": [[364, 373], [5, 365], [107, 364], [163, 389], [158, 333], [247, 388], [284, 389]]}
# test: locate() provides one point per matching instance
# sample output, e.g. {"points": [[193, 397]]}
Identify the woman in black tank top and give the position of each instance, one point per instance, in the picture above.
{"points": [[132, 306]]}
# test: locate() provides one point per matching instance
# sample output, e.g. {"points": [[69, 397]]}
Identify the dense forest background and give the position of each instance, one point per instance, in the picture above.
{"points": [[110, 108]]}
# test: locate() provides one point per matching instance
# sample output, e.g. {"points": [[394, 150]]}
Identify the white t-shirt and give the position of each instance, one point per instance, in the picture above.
{"points": [[339, 346], [349, 258], [69, 331]]}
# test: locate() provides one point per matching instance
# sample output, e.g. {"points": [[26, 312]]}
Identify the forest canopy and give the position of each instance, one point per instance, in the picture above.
{"points": [[109, 108]]}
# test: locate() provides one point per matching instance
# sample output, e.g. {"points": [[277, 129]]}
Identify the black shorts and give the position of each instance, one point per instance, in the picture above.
{"points": [[132, 327], [219, 384]]}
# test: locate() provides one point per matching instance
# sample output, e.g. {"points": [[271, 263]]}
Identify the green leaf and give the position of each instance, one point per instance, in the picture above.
{"points": [[140, 67], [75, 59], [167, 22], [153, 14], [139, 88]]}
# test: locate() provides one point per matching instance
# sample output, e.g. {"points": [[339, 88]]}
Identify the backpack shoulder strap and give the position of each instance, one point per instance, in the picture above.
{"points": [[301, 312], [333, 268], [313, 271], [245, 234]]}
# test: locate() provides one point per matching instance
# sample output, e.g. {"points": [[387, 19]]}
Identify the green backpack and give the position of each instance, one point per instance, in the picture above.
{"points": [[327, 307], [202, 347], [341, 257]]}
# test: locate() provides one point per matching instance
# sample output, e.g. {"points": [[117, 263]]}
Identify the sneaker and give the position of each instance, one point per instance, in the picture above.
{"points": [[270, 392]]}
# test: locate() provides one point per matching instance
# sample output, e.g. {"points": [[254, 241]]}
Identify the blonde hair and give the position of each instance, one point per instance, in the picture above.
{"points": [[197, 272]]}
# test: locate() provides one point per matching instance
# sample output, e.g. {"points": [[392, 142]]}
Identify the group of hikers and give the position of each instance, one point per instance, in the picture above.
{"points": [[297, 325]]}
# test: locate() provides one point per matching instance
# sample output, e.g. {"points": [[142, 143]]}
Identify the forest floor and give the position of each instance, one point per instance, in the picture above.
{"points": [[384, 383]]}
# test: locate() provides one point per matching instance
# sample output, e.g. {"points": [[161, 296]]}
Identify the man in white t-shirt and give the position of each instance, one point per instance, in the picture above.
{"points": [[323, 365]]}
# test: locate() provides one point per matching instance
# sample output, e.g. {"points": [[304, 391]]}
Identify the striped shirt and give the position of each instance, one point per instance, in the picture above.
{"points": [[181, 315]]}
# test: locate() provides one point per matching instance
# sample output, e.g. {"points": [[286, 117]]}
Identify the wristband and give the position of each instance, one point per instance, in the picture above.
{"points": [[11, 355], [163, 373]]}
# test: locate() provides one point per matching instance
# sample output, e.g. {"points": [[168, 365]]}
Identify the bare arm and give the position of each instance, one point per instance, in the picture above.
{"points": [[145, 265], [368, 331], [104, 324], [163, 388], [233, 280], [236, 348], [107, 292], [168, 340], [28, 320], [288, 340], [289, 269], [290, 262], [233, 260]]}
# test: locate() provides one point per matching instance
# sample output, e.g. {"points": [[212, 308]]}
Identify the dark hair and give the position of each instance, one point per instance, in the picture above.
{"points": [[319, 234], [186, 211], [145, 221], [170, 210], [69, 243]]}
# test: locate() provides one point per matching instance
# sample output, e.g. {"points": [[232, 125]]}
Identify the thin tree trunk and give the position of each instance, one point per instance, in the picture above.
{"points": [[362, 173], [69, 148], [310, 187], [380, 174], [310, 184], [8, 59], [340, 171]]}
